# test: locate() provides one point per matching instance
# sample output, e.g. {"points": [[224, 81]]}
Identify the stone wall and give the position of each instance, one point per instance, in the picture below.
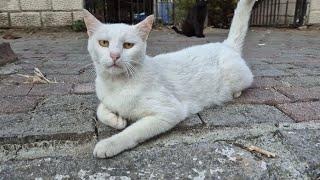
{"points": [[39, 13], [314, 15]]}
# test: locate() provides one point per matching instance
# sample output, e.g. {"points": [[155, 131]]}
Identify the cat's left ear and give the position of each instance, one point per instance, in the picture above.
{"points": [[145, 26], [91, 22]]}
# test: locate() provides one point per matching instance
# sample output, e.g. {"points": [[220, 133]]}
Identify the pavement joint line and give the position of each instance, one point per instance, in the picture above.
{"points": [[96, 131], [30, 90], [201, 119]]}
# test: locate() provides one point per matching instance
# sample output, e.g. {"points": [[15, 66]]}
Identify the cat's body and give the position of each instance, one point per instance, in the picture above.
{"points": [[193, 25], [165, 89]]}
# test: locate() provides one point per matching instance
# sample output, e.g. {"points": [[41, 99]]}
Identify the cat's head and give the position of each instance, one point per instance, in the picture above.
{"points": [[117, 49]]}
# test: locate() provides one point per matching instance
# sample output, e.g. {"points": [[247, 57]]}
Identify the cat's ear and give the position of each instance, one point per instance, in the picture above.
{"points": [[145, 26], [91, 22]]}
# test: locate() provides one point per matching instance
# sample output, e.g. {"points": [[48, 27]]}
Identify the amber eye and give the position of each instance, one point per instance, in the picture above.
{"points": [[104, 43], [128, 45]]}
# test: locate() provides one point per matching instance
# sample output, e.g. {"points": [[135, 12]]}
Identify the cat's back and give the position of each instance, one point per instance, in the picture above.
{"points": [[195, 55], [196, 73]]}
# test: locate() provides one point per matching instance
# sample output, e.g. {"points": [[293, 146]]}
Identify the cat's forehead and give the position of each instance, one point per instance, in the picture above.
{"points": [[116, 30]]}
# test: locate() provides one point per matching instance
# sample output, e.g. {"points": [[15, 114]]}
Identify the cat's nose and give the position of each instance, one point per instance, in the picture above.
{"points": [[114, 56]]}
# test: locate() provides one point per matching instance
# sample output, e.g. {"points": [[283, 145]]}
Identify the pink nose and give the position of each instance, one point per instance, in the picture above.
{"points": [[114, 56]]}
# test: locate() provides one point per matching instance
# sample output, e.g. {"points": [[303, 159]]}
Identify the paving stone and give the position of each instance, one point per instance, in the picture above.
{"points": [[300, 93], [294, 151], [87, 88], [262, 96], [18, 104], [9, 69], [72, 78], [15, 90], [267, 71], [59, 134], [50, 89], [202, 160], [61, 67], [58, 117], [263, 82], [6, 54], [13, 126], [304, 111], [303, 81], [242, 115], [305, 144]]}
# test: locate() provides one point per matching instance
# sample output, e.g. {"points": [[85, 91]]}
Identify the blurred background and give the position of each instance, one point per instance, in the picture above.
{"points": [[276, 13]]}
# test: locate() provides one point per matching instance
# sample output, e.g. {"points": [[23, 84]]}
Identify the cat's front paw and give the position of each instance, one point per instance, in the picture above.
{"points": [[237, 94], [110, 119], [110, 147]]}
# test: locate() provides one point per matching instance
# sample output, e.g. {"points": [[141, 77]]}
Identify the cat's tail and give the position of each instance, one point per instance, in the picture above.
{"points": [[177, 30], [239, 25]]}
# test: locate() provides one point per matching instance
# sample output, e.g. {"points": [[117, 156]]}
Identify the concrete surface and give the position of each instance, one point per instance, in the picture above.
{"points": [[48, 131]]}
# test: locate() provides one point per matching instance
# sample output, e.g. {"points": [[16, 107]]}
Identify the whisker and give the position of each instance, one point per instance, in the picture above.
{"points": [[128, 65], [135, 62], [126, 68], [132, 69]]}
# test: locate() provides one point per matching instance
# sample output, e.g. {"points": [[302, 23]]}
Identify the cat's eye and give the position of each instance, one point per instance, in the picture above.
{"points": [[104, 43], [127, 45]]}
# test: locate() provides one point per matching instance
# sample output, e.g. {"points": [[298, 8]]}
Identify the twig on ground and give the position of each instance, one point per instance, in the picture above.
{"points": [[37, 78], [261, 151], [252, 148]]}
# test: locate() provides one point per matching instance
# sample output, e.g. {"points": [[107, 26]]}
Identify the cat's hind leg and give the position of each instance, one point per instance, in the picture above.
{"points": [[109, 118]]}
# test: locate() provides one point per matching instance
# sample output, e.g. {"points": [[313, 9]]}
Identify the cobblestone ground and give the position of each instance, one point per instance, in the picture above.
{"points": [[49, 130]]}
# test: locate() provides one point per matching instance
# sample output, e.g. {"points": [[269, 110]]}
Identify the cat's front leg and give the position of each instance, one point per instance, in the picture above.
{"points": [[138, 132], [109, 118]]}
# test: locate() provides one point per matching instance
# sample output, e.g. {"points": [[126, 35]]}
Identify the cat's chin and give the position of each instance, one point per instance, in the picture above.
{"points": [[112, 71]]}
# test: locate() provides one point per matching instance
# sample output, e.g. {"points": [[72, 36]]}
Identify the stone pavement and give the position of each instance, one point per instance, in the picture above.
{"points": [[48, 131]]}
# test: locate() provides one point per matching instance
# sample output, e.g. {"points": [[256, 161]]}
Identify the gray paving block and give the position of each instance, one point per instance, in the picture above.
{"points": [[242, 115], [202, 160], [58, 117]]}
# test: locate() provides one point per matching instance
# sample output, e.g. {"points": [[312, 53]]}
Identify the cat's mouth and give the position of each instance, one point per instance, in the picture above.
{"points": [[114, 66]]}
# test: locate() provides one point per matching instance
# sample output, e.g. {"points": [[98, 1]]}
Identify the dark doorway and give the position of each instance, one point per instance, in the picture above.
{"points": [[120, 11]]}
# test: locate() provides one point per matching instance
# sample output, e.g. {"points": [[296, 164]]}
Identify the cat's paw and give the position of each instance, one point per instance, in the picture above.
{"points": [[237, 94], [110, 147], [110, 119], [117, 122]]}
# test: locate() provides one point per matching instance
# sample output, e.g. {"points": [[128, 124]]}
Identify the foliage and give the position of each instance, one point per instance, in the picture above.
{"points": [[181, 9], [220, 12], [78, 26]]}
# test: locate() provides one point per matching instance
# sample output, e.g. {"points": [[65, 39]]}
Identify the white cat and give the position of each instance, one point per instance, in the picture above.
{"points": [[156, 93]]}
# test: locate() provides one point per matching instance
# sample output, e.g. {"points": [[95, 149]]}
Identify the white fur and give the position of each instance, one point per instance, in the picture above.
{"points": [[165, 89]]}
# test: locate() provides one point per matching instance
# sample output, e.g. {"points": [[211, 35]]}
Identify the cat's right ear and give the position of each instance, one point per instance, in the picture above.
{"points": [[91, 22]]}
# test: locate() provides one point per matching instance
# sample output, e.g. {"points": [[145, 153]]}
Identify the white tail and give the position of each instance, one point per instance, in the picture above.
{"points": [[239, 25]]}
